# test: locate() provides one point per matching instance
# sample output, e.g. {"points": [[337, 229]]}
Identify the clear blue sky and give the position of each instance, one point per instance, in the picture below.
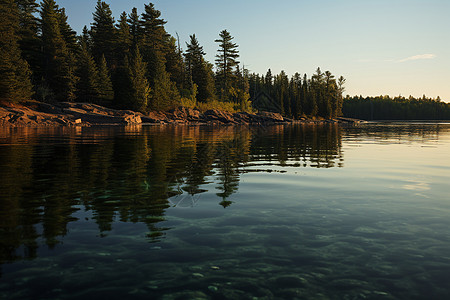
{"points": [[382, 47]]}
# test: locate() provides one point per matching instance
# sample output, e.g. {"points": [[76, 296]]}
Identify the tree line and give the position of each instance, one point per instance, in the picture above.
{"points": [[133, 63], [296, 97], [397, 108]]}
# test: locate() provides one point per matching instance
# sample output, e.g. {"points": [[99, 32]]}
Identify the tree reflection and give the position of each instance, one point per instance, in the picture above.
{"points": [[135, 174]]}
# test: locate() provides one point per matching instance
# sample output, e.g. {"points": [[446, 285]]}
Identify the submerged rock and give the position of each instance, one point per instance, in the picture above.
{"points": [[197, 275]]}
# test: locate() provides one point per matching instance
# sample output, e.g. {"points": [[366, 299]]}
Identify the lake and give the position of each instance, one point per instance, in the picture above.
{"points": [[192, 212]]}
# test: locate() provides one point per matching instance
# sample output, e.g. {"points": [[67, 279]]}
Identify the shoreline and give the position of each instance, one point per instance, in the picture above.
{"points": [[39, 114]]}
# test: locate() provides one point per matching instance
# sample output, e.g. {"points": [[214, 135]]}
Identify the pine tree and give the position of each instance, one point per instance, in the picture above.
{"points": [[165, 94], [226, 62], [199, 71], [134, 25], [28, 33], [330, 100], [317, 88], [68, 34], [139, 85], [193, 54], [15, 82], [340, 93], [103, 33], [88, 85], [174, 62], [155, 47], [122, 85], [154, 38], [106, 92], [268, 79], [86, 38], [124, 38], [59, 63]]}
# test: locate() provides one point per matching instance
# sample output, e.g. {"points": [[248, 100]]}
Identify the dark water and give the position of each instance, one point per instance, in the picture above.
{"points": [[282, 212]]}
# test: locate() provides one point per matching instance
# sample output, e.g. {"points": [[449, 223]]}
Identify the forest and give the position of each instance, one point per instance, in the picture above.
{"points": [[397, 108], [133, 63]]}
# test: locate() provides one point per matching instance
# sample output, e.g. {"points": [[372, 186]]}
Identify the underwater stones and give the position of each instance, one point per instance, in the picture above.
{"points": [[213, 288], [198, 275]]}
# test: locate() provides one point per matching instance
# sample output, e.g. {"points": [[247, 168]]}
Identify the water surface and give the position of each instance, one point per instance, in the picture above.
{"points": [[279, 212]]}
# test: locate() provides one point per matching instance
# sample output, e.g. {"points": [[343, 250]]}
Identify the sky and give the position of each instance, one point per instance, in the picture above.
{"points": [[382, 47]]}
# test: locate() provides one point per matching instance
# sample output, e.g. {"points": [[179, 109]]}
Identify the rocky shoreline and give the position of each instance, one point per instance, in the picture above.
{"points": [[34, 114]]}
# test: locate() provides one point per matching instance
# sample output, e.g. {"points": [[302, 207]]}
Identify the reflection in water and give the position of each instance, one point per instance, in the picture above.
{"points": [[134, 174]]}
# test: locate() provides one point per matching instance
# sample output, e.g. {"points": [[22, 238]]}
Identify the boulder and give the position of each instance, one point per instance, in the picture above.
{"points": [[154, 117], [271, 116], [185, 113], [218, 115]]}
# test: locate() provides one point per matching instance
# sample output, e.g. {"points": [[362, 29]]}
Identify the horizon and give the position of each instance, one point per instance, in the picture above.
{"points": [[385, 48]]}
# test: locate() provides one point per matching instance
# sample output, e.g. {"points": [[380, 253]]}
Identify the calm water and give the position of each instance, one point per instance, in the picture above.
{"points": [[282, 212]]}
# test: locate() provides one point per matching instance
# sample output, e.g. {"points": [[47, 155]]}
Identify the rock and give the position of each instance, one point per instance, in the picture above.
{"points": [[271, 116], [218, 115], [154, 117], [132, 119], [34, 113], [93, 115], [185, 114], [213, 288]]}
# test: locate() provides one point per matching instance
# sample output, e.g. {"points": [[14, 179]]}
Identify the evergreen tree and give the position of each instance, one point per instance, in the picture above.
{"points": [[154, 37], [15, 82], [317, 88], [226, 62], [140, 89], [134, 25], [88, 85], [58, 64], [268, 79], [155, 46], [192, 55], [164, 92], [199, 71], [122, 85], [28, 33], [174, 62], [340, 93], [124, 38], [106, 92], [85, 38], [103, 33], [68, 34], [330, 100]]}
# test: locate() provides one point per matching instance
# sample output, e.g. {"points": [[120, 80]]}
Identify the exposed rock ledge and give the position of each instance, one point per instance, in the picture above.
{"points": [[33, 113]]}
